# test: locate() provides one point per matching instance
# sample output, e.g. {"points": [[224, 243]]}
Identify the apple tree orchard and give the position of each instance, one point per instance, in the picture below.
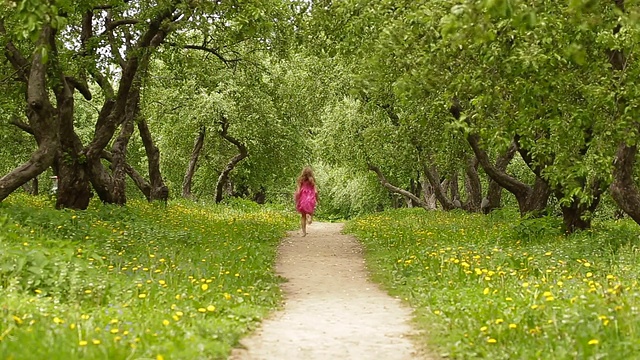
{"points": [[78, 76], [469, 85]]}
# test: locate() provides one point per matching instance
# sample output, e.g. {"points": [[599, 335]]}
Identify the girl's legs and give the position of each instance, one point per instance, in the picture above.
{"points": [[303, 224], [309, 218]]}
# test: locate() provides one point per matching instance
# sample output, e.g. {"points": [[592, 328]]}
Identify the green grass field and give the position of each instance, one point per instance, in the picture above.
{"points": [[186, 280], [496, 287], [145, 281]]}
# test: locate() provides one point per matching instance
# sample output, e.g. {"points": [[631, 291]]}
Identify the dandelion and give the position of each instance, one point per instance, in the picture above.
{"points": [[486, 291], [114, 331], [165, 322], [594, 342], [492, 341], [142, 296], [525, 284], [211, 308], [57, 320], [499, 321], [83, 343], [96, 342], [202, 310], [17, 319], [437, 312], [204, 287], [483, 329], [512, 326]]}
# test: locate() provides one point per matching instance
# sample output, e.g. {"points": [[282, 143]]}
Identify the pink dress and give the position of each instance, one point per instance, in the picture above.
{"points": [[306, 198]]}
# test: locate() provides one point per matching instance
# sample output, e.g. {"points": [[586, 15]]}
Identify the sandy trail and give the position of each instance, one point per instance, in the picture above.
{"points": [[332, 310]]}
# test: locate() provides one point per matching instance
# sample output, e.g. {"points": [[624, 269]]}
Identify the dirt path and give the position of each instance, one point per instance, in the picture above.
{"points": [[332, 310]]}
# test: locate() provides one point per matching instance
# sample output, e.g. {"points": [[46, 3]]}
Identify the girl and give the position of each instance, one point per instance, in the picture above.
{"points": [[306, 197]]}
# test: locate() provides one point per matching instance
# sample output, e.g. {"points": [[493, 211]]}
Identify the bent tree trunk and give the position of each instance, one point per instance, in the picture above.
{"points": [[440, 193], [531, 200], [193, 161], [396, 190], [41, 115], [223, 179]]}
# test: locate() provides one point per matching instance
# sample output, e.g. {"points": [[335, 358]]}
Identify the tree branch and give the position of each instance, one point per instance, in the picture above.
{"points": [[14, 56], [225, 135], [138, 179], [22, 125], [114, 24], [214, 51], [394, 189], [112, 41], [82, 88]]}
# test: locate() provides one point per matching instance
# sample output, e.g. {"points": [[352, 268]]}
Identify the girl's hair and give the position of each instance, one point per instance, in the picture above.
{"points": [[306, 175]]}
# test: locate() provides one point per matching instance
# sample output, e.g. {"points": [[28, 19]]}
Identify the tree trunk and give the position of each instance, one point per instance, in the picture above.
{"points": [[530, 200], [261, 196], [416, 189], [428, 195], [138, 179], [40, 114], [440, 193], [119, 151], [472, 186], [31, 187], [243, 153], [494, 191], [191, 169], [159, 191], [119, 106], [119, 148], [396, 190], [623, 188], [573, 215]]}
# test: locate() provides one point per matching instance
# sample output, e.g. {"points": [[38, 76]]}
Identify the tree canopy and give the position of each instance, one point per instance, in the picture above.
{"points": [[446, 104]]}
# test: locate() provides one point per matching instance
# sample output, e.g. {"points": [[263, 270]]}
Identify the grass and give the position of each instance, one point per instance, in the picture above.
{"points": [[497, 287], [145, 281]]}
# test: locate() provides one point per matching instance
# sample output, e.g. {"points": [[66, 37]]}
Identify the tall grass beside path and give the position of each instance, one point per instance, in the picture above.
{"points": [[144, 281], [498, 287]]}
